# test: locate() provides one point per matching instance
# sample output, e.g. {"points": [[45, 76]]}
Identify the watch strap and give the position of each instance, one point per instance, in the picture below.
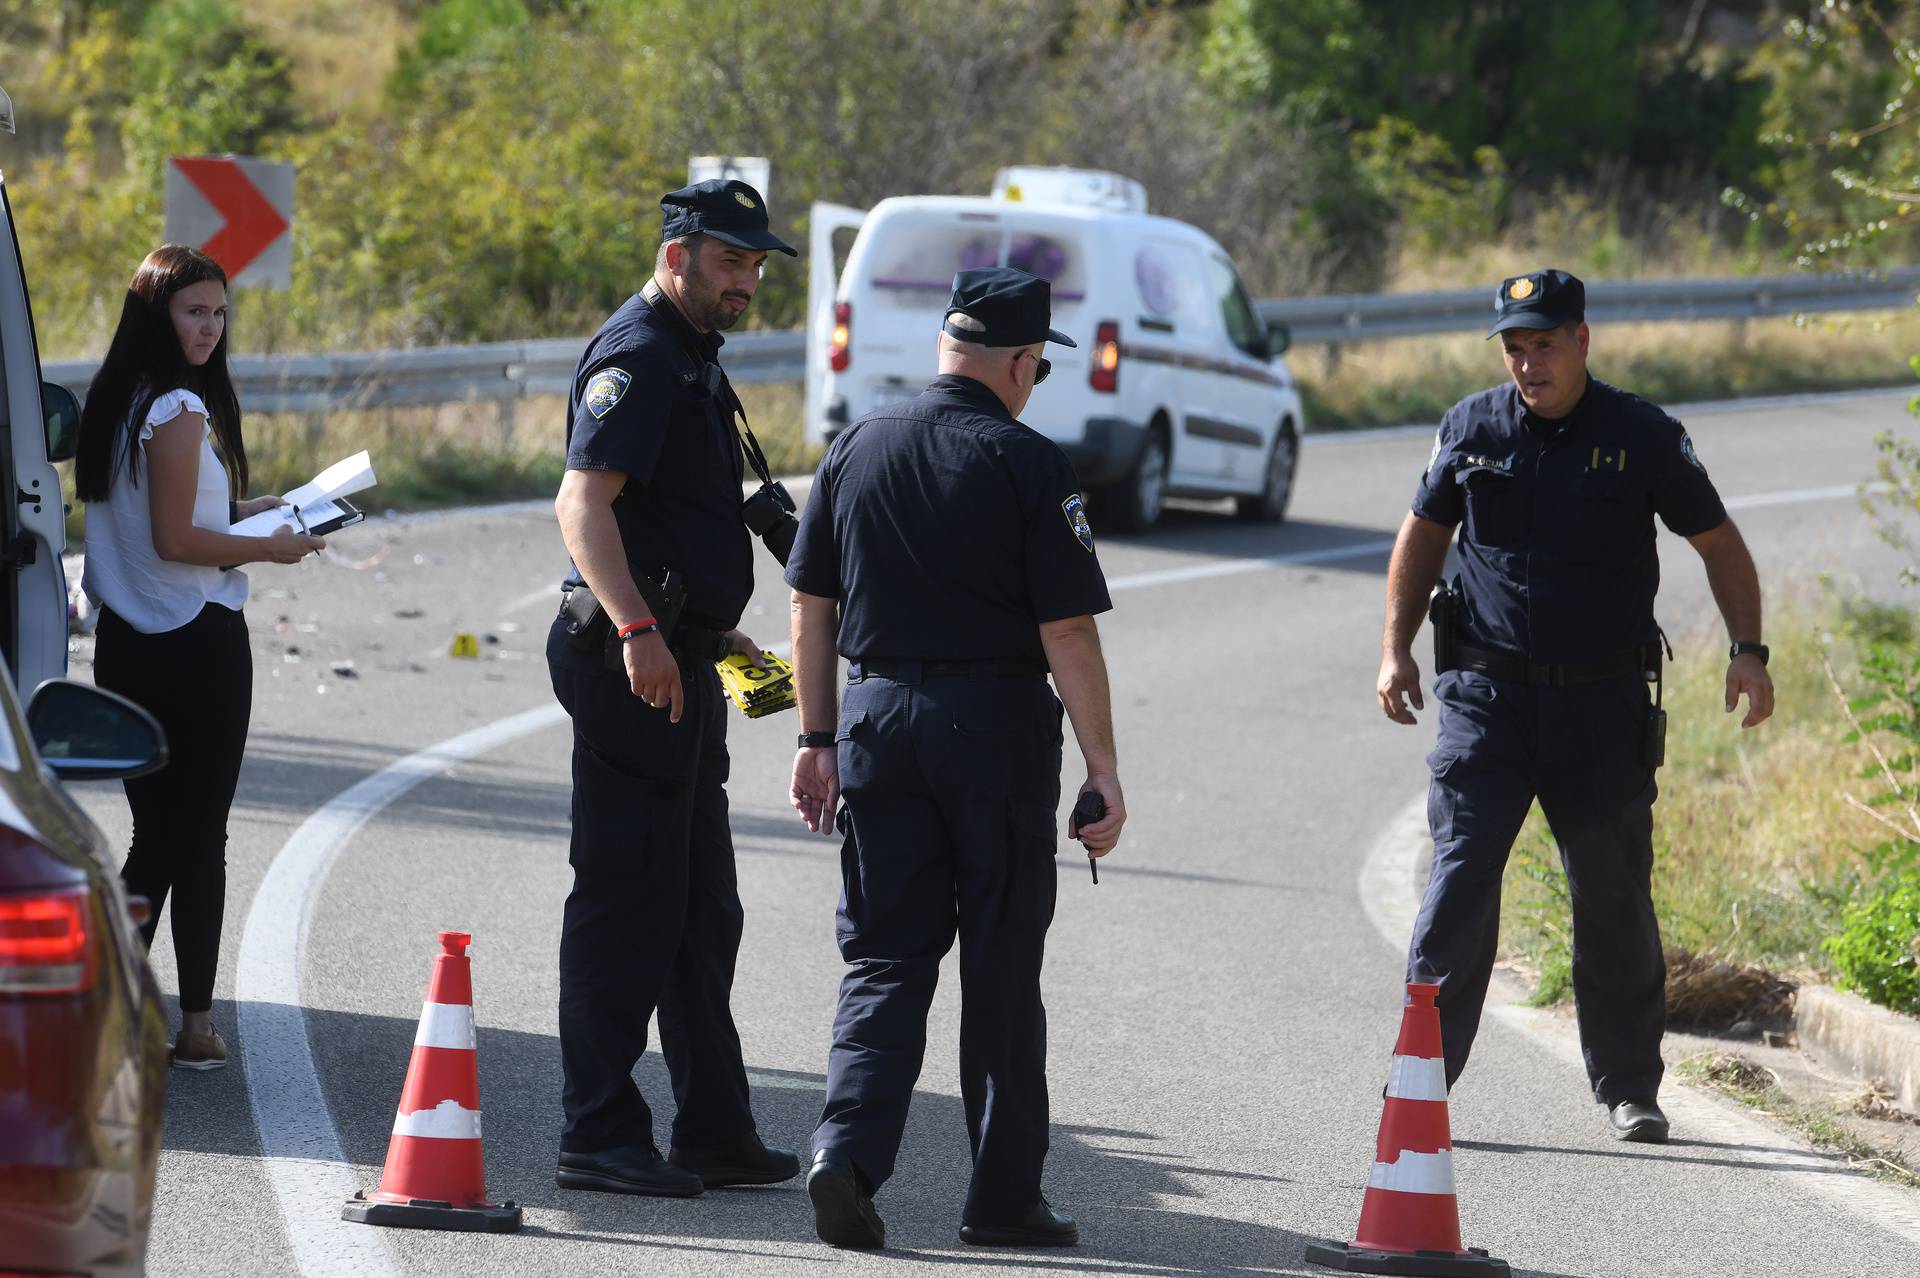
{"points": [[815, 740], [1740, 649]]}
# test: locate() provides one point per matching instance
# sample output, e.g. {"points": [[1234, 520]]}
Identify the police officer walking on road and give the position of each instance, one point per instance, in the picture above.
{"points": [[650, 508], [955, 542], [1546, 646]]}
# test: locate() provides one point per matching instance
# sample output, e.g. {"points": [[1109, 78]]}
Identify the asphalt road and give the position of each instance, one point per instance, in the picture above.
{"points": [[1221, 1006]]}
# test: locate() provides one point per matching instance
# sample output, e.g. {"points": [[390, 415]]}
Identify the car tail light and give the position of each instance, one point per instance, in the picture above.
{"points": [[46, 942], [1106, 358], [838, 356]]}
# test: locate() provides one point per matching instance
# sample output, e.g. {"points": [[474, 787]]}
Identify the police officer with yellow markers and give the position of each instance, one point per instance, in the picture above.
{"points": [[651, 511], [1546, 647], [953, 542]]}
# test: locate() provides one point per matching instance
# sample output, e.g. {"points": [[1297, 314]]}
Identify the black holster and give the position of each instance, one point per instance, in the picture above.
{"points": [[1443, 610], [589, 628]]}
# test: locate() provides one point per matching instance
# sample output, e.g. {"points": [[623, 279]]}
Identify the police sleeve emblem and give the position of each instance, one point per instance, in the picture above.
{"points": [[1686, 451], [605, 390], [1075, 509]]}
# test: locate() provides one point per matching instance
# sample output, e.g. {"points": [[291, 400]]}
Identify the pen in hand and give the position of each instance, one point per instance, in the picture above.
{"points": [[1087, 809]]}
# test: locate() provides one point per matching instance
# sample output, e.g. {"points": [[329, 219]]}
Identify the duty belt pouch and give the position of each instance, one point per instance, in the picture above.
{"points": [[1653, 746], [585, 620], [1443, 610]]}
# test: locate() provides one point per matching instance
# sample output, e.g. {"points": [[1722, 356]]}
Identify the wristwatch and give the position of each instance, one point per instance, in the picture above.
{"points": [[815, 740], [1757, 649]]}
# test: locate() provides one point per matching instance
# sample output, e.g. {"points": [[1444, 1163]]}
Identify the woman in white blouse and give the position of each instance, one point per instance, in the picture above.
{"points": [[161, 466]]}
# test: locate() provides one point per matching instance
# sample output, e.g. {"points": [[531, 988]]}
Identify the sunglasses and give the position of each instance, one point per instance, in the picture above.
{"points": [[1041, 367]]}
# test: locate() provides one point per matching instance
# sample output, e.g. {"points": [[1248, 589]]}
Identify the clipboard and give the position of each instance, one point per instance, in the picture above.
{"points": [[343, 514]]}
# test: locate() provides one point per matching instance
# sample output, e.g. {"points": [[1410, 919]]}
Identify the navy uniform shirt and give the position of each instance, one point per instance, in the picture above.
{"points": [[948, 531], [1557, 559], [642, 405]]}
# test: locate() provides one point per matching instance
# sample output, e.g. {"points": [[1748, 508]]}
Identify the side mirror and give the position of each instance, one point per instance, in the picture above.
{"points": [[84, 733], [62, 414], [1279, 338]]}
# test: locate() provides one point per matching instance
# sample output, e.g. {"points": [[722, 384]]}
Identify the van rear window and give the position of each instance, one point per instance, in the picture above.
{"points": [[915, 264]]}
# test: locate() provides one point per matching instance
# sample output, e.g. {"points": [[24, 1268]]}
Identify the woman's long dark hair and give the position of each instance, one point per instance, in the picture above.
{"points": [[144, 362]]}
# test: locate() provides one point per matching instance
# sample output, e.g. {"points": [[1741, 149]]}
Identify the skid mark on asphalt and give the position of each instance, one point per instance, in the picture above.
{"points": [[304, 1160]]}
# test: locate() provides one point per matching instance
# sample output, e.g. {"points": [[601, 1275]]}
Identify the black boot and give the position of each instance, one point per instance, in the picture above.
{"points": [[628, 1169], [843, 1212], [1639, 1119], [742, 1162], [1042, 1226]]}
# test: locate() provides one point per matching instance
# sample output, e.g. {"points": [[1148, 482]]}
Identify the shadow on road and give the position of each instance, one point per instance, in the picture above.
{"points": [[1118, 1183], [1803, 1161]]}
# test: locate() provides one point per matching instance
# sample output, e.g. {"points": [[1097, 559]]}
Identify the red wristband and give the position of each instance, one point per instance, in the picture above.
{"points": [[633, 628]]}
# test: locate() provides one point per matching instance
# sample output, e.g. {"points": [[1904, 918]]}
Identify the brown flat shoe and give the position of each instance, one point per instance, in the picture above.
{"points": [[199, 1051]]}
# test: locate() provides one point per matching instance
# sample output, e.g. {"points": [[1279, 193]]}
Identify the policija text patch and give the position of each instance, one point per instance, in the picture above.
{"points": [[605, 390]]}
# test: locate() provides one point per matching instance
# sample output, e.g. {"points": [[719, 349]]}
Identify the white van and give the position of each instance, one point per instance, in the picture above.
{"points": [[1176, 387]]}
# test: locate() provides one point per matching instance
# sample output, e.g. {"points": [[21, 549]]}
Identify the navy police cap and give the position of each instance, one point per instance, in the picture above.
{"points": [[1544, 299], [1015, 307], [725, 208]]}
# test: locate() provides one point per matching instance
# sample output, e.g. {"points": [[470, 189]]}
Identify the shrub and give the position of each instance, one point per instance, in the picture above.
{"points": [[1877, 951]]}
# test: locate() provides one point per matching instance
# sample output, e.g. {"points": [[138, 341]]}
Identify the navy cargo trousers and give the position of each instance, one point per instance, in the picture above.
{"points": [[951, 785], [654, 919], [1580, 750]]}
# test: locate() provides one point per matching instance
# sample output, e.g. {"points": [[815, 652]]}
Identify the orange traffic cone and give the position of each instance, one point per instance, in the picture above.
{"points": [[435, 1177], [1410, 1219]]}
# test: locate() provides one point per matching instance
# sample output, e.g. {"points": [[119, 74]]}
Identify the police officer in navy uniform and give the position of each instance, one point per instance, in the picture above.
{"points": [[955, 543], [653, 487], [1554, 480]]}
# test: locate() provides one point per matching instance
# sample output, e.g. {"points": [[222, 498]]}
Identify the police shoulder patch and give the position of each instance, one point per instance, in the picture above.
{"points": [[1075, 509], [605, 390], [1686, 451]]}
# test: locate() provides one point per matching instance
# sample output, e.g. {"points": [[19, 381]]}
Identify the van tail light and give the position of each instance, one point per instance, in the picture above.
{"points": [[838, 356], [46, 942], [1106, 358]]}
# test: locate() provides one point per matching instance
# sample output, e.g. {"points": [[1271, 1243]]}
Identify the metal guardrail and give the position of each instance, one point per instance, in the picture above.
{"points": [[503, 372], [1365, 317]]}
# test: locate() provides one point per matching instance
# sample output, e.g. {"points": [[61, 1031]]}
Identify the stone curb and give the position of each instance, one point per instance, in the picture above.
{"points": [[1872, 1042]]}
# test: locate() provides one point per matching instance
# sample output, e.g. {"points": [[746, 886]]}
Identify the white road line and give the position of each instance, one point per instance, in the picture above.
{"points": [[309, 1173], [304, 1161]]}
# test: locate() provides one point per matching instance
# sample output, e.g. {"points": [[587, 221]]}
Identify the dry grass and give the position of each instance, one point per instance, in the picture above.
{"points": [[1418, 379], [341, 51], [1753, 841]]}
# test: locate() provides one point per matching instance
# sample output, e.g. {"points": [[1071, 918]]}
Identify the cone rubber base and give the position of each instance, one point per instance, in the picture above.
{"points": [[428, 1213], [1473, 1263]]}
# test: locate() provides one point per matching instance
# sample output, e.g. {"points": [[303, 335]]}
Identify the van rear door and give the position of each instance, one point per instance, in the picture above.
{"points": [[33, 589], [822, 222]]}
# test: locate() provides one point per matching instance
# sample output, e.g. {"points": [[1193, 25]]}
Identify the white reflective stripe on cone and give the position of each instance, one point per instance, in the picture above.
{"points": [[445, 1121], [1415, 1173], [1417, 1078], [446, 1025]]}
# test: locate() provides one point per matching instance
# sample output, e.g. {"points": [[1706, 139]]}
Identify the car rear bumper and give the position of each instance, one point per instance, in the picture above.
{"points": [[1107, 450]]}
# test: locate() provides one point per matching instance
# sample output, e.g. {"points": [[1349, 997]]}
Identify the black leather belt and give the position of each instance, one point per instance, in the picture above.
{"points": [[1501, 665], [915, 671], [693, 643]]}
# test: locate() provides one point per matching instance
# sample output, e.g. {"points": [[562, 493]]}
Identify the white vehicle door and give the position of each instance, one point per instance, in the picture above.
{"points": [[33, 588], [1178, 324], [822, 285], [1241, 381]]}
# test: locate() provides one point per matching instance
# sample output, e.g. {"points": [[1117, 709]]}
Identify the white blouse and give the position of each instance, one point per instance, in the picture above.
{"points": [[123, 570]]}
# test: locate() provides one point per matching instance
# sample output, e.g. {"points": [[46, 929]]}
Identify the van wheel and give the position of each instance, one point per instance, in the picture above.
{"points": [[1270, 507], [1134, 504]]}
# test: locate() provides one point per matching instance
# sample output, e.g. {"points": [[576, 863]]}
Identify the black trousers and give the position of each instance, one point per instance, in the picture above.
{"points": [[951, 785], [1580, 751], [197, 681], [654, 919]]}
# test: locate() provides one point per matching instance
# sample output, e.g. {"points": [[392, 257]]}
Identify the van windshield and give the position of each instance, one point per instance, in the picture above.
{"points": [[913, 264]]}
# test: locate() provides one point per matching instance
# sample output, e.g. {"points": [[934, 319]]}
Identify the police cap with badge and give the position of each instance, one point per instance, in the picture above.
{"points": [[1540, 300], [725, 208], [1012, 308]]}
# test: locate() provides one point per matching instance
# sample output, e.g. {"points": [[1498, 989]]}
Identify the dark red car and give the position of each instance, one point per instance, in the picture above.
{"points": [[83, 1039]]}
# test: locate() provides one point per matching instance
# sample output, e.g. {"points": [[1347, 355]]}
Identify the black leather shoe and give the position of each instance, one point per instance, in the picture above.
{"points": [[628, 1169], [843, 1211], [1639, 1120], [743, 1162], [1042, 1226]]}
